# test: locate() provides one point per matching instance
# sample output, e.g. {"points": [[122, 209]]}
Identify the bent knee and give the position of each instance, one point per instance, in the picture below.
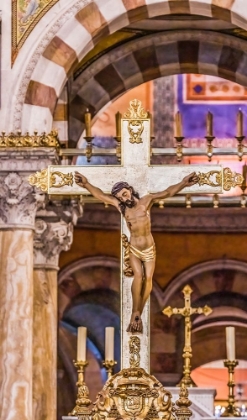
{"points": [[138, 278]]}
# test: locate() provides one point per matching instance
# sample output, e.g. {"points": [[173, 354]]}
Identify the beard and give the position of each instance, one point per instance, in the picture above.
{"points": [[130, 203]]}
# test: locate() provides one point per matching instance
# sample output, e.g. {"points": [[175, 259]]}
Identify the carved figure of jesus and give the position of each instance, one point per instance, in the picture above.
{"points": [[136, 211]]}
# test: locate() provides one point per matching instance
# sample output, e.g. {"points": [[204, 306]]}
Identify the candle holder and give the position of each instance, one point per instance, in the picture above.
{"points": [[109, 365], [188, 201], [231, 410], [210, 147], [243, 201], [240, 147], [82, 401], [118, 148], [89, 148], [179, 147], [216, 201]]}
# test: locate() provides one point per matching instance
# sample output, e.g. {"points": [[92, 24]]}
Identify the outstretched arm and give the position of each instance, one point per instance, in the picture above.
{"points": [[187, 181], [96, 192]]}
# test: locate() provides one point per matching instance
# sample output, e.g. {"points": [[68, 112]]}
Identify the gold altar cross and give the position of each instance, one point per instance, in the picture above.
{"points": [[187, 311], [135, 168]]}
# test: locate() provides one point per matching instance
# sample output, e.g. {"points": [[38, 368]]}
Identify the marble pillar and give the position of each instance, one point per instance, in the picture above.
{"points": [[17, 214], [50, 239], [18, 205]]}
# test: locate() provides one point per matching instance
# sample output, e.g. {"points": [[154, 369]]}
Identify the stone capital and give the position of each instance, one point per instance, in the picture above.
{"points": [[54, 232], [18, 199], [17, 202], [50, 238]]}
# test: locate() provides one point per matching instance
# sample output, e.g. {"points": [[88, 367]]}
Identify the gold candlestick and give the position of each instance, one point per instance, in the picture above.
{"points": [[118, 148], [82, 401], [210, 147], [179, 147], [243, 186], [231, 410], [109, 365], [183, 412], [240, 147], [89, 148]]}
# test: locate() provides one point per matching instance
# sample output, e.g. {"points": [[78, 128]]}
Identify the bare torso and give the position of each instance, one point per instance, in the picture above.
{"points": [[139, 224]]}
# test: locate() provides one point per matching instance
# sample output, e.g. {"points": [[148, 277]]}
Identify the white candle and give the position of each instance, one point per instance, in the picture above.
{"points": [[230, 343], [209, 124], [109, 343], [88, 123], [81, 343], [178, 125], [118, 117], [239, 123]]}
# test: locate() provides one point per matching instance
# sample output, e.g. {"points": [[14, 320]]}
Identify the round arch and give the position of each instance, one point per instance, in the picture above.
{"points": [[177, 283], [88, 262], [39, 88], [151, 57]]}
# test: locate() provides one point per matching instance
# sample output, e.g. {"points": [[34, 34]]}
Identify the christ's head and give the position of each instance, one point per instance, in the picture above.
{"points": [[125, 194]]}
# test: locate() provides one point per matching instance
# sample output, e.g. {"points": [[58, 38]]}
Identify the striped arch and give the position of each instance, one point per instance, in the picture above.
{"points": [[151, 57], [88, 26]]}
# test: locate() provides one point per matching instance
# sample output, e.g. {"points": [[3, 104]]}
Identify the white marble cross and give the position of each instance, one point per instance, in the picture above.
{"points": [[135, 168]]}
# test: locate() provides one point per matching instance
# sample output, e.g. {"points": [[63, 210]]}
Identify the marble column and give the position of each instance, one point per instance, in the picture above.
{"points": [[51, 237], [17, 214], [18, 206]]}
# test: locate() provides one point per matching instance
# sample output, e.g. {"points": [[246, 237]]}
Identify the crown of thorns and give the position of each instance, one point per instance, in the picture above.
{"points": [[119, 186]]}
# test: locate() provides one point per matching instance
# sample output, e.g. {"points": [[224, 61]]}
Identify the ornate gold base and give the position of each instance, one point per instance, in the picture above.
{"points": [[231, 411], [188, 382]]}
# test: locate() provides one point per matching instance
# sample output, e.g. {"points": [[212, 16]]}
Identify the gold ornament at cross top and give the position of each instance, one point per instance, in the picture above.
{"points": [[187, 311], [135, 114]]}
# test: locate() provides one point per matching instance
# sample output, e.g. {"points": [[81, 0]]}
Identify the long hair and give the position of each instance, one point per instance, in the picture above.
{"points": [[117, 188]]}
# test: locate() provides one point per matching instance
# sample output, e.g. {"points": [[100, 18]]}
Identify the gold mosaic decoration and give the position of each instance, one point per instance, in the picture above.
{"points": [[25, 16]]}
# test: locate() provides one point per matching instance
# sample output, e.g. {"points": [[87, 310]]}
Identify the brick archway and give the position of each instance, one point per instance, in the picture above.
{"points": [[81, 32]]}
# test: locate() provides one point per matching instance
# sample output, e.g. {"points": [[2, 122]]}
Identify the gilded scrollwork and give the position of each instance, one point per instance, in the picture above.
{"points": [[27, 140], [128, 272], [225, 178], [134, 350], [135, 129], [135, 110], [133, 393], [39, 180], [231, 179], [59, 179], [135, 114]]}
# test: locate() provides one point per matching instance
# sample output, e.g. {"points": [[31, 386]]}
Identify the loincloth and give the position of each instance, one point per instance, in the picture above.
{"points": [[146, 255]]}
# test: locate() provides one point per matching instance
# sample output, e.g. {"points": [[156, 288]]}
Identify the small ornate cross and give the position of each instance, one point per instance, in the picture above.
{"points": [[187, 311]]}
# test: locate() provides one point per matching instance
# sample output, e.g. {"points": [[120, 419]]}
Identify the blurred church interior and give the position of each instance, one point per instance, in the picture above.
{"points": [[60, 258]]}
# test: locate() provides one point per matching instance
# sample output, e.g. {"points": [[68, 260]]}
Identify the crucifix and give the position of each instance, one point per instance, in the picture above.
{"points": [[187, 311], [136, 170]]}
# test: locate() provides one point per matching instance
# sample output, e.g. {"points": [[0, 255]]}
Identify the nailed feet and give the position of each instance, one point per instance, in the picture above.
{"points": [[135, 325]]}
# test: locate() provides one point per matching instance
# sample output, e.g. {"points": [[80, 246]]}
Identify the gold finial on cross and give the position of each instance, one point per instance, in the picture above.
{"points": [[187, 311]]}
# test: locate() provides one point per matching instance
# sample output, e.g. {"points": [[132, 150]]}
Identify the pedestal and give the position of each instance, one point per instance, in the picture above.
{"points": [[69, 418], [202, 401]]}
